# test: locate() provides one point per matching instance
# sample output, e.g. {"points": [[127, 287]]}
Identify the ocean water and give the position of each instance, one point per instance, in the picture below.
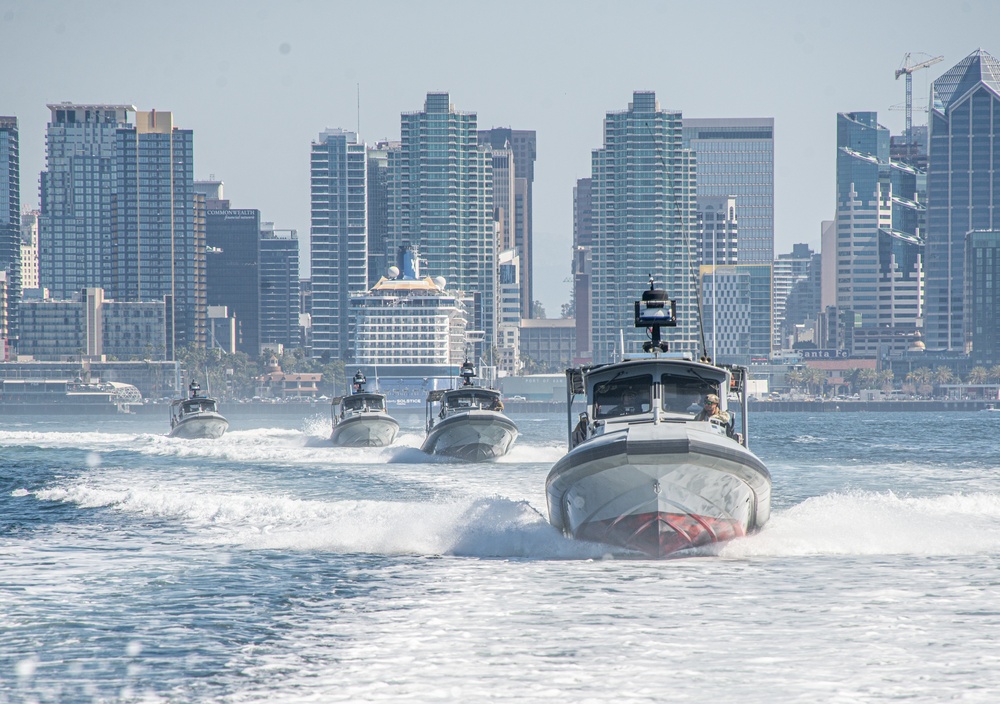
{"points": [[269, 566]]}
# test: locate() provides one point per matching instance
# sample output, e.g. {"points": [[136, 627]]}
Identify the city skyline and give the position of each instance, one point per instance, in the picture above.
{"points": [[219, 66]]}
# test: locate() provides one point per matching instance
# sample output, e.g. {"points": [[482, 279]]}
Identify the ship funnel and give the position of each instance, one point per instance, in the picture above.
{"points": [[408, 262]]}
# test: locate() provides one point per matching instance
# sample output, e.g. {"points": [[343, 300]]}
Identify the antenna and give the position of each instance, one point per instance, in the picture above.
{"points": [[359, 110]]}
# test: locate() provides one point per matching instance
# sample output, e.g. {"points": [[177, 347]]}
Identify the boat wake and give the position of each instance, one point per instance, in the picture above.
{"points": [[870, 523], [857, 523], [484, 527]]}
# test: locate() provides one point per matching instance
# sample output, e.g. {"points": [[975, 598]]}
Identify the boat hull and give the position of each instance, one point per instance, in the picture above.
{"points": [[202, 425], [659, 489], [473, 436], [365, 430]]}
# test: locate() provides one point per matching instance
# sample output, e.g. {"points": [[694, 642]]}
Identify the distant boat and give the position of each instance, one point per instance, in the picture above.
{"points": [[990, 407], [196, 416], [361, 420], [468, 422]]}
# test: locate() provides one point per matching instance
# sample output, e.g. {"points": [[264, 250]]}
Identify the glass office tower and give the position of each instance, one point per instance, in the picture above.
{"points": [[279, 286], [879, 253], [735, 157], [963, 189]]}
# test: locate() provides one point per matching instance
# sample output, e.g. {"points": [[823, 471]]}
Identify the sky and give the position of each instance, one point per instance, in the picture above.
{"points": [[258, 82]]}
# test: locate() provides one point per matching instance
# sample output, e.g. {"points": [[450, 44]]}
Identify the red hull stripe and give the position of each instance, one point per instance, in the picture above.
{"points": [[659, 534]]}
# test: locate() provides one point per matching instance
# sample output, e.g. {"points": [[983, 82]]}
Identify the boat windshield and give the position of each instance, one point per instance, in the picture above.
{"points": [[199, 405], [623, 396], [459, 400], [683, 395], [364, 403]]}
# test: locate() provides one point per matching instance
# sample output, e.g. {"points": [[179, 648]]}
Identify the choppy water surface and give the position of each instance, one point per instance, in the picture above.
{"points": [[269, 566]]}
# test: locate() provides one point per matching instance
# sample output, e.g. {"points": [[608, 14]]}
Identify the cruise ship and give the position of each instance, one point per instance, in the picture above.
{"points": [[409, 334]]}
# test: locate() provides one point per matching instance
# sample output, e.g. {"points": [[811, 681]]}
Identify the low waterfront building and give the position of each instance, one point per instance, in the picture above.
{"points": [[275, 383]]}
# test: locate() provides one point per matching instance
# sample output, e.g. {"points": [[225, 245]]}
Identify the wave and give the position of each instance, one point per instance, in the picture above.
{"points": [[877, 523], [494, 527], [857, 523], [262, 445]]}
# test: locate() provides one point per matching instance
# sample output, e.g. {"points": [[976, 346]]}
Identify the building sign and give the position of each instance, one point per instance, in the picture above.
{"points": [[234, 214], [824, 354]]}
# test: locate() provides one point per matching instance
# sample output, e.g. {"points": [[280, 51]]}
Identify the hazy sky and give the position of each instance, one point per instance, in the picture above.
{"points": [[258, 81]]}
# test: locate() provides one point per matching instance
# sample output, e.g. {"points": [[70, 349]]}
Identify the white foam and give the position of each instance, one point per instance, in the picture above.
{"points": [[869, 523], [484, 527]]}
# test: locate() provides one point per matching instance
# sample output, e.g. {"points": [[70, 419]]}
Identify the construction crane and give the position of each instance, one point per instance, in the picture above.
{"points": [[906, 69]]}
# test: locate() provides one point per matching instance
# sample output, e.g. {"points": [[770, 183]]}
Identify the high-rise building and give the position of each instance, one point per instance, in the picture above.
{"points": [[963, 191], [644, 225], [90, 325], [982, 294], [503, 196], [339, 237], [29, 249], [523, 144], [718, 243], [508, 346], [118, 212], [10, 218], [735, 157], [796, 291], [879, 249], [726, 312], [911, 149], [158, 252], [441, 205], [77, 227], [4, 332], [583, 244], [378, 209], [279, 286], [232, 236]]}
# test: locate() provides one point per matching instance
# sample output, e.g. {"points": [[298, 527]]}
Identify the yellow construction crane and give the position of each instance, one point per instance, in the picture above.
{"points": [[907, 69]]}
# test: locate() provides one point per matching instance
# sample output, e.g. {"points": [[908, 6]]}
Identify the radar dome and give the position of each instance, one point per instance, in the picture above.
{"points": [[440, 281], [393, 272]]}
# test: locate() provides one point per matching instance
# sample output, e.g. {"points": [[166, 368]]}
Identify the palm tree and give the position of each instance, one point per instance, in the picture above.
{"points": [[815, 378], [864, 379], [921, 379], [978, 375], [884, 379], [943, 375], [794, 378], [994, 372]]}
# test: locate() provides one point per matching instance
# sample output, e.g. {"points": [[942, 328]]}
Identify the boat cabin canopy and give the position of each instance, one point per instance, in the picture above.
{"points": [[632, 388], [470, 397], [197, 404], [362, 402]]}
